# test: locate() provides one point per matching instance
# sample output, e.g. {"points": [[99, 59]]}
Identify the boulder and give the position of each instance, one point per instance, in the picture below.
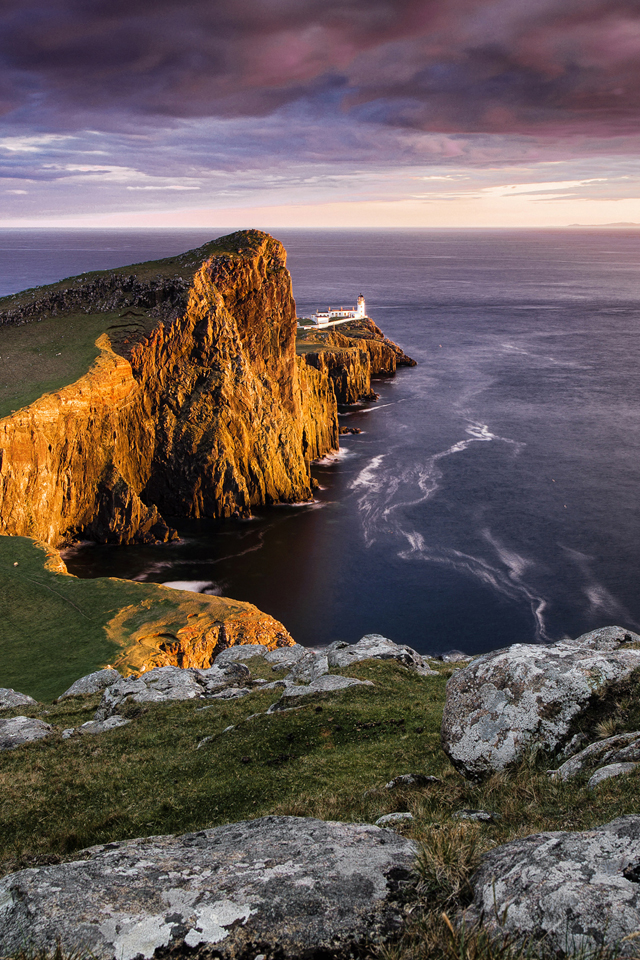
{"points": [[10, 698], [18, 730], [92, 683], [411, 780], [170, 683], [241, 651], [503, 703], [390, 818], [611, 770], [278, 886], [621, 747], [285, 657], [309, 667], [577, 892], [326, 684], [375, 647], [102, 726]]}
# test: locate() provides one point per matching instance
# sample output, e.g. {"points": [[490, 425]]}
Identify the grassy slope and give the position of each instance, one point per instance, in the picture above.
{"points": [[55, 628], [330, 758], [45, 355]]}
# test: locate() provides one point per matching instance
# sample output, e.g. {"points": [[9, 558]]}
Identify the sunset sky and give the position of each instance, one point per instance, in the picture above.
{"points": [[420, 113]]}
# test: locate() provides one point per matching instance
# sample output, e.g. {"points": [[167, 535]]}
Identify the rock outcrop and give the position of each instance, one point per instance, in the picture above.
{"points": [[376, 647], [506, 702], [574, 893], [203, 409], [283, 887], [18, 730], [350, 355], [10, 698]]}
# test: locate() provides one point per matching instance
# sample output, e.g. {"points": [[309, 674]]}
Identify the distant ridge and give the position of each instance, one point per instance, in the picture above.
{"points": [[621, 223]]}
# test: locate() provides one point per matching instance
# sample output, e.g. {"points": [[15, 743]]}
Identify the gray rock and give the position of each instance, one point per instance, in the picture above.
{"points": [[102, 726], [611, 770], [285, 656], [411, 780], [18, 730], [603, 751], [231, 693], [390, 818], [503, 703], [576, 891], [605, 638], [170, 683], [10, 698], [480, 816], [297, 887], [375, 647], [326, 684], [453, 656], [242, 651], [68, 733], [309, 667], [92, 683]]}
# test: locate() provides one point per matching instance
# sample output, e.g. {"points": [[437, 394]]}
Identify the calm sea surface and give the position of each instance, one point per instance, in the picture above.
{"points": [[492, 496]]}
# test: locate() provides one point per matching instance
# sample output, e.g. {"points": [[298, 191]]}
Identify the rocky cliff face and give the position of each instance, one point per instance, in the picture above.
{"points": [[350, 355], [204, 410]]}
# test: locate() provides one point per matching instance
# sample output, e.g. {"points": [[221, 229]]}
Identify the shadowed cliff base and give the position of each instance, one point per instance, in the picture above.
{"points": [[55, 628], [194, 402]]}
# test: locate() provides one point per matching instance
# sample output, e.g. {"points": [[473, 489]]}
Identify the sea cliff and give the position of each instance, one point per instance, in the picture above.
{"points": [[198, 403]]}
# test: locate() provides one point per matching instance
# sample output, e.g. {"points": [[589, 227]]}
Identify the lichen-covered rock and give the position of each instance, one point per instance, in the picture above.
{"points": [[504, 702], [10, 698], [170, 683], [621, 747], [103, 726], [375, 647], [325, 684], [241, 651], [285, 657], [18, 730], [574, 891], [312, 665], [278, 886], [92, 683], [609, 771]]}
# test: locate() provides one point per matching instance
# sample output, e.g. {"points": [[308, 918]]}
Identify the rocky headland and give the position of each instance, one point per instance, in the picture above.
{"points": [[199, 403]]}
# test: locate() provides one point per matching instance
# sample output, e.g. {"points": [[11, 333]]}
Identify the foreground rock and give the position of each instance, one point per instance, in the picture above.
{"points": [[18, 730], [574, 891], [279, 886], [502, 704], [10, 698], [170, 683], [92, 683], [620, 748], [324, 684], [375, 647]]}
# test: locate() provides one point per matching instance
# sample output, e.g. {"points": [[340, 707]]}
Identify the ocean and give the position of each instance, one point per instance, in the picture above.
{"points": [[491, 497]]}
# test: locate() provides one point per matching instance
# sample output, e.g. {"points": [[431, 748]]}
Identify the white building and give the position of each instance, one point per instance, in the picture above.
{"points": [[340, 314]]}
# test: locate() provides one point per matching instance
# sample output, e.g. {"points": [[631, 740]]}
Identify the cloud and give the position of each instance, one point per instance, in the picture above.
{"points": [[551, 67]]}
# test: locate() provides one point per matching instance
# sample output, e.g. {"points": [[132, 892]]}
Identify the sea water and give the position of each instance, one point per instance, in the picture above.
{"points": [[491, 497]]}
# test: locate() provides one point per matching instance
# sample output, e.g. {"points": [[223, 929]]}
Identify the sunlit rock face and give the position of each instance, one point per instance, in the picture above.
{"points": [[208, 414]]}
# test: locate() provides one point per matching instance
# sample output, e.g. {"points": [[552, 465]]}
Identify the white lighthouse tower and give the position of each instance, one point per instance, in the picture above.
{"points": [[361, 310]]}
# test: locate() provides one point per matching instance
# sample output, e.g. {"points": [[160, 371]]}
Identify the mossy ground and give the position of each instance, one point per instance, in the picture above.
{"points": [[176, 767]]}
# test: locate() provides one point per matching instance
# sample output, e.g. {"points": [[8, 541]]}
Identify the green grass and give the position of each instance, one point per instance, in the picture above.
{"points": [[56, 628]]}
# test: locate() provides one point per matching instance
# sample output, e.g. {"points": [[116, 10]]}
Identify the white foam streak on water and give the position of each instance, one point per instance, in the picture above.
{"points": [[382, 496]]}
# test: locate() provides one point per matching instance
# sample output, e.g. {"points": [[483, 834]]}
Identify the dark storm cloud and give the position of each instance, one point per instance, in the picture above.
{"points": [[540, 66]]}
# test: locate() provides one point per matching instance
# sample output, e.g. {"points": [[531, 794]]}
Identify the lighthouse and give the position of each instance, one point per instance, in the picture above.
{"points": [[361, 310]]}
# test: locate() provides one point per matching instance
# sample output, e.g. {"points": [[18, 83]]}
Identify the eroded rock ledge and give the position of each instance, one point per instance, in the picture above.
{"points": [[202, 409]]}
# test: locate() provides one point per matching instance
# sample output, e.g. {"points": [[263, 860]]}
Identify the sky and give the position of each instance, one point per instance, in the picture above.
{"points": [[319, 113]]}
